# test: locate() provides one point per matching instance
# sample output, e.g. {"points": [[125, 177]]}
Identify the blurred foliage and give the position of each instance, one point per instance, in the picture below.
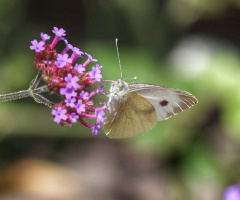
{"points": [[191, 45]]}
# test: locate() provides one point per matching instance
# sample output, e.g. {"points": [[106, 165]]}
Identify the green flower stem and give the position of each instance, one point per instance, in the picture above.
{"points": [[40, 99], [36, 80], [32, 91], [22, 94], [39, 90], [14, 96]]}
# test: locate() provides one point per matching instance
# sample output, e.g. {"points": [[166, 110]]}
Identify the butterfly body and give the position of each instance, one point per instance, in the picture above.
{"points": [[135, 108]]}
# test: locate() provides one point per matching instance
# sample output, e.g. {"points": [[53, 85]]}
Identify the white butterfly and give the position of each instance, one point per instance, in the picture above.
{"points": [[135, 108]]}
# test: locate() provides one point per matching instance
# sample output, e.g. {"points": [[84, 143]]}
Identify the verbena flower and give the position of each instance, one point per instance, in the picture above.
{"points": [[71, 81], [84, 95], [232, 192], [96, 73], [59, 114], [80, 69], [37, 46], [44, 37]]}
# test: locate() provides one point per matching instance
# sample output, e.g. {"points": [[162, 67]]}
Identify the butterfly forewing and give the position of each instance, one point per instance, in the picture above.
{"points": [[132, 116], [166, 101]]}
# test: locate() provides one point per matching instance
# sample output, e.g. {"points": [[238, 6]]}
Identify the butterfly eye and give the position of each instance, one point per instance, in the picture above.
{"points": [[163, 103], [120, 84]]}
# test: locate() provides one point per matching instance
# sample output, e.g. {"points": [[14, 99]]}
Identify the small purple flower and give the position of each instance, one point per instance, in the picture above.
{"points": [[96, 128], [68, 92], [96, 73], [232, 192], [90, 58], [67, 44], [62, 60], [80, 69], [70, 102], [72, 81], [59, 114], [84, 95], [74, 117], [59, 35], [37, 46], [99, 116], [76, 51], [59, 32], [100, 89], [80, 107], [106, 106], [44, 36]]}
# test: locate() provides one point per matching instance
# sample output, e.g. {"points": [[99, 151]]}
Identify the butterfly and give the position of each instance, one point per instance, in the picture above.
{"points": [[135, 108]]}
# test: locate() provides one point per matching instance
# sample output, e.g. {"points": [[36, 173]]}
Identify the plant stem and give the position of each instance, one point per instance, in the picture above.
{"points": [[22, 94], [40, 99], [14, 96], [36, 80]]}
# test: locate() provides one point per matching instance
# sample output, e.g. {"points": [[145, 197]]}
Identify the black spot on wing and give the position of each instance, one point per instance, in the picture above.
{"points": [[163, 103]]}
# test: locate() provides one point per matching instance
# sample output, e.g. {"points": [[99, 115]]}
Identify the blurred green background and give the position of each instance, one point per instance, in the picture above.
{"points": [[191, 45]]}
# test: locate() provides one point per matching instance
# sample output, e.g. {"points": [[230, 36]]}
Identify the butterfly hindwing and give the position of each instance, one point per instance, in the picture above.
{"points": [[132, 116]]}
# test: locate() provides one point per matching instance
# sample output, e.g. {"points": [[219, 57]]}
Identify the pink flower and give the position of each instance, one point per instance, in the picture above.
{"points": [[37, 46], [69, 80]]}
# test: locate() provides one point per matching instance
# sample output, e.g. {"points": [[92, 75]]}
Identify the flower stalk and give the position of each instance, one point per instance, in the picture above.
{"points": [[22, 94]]}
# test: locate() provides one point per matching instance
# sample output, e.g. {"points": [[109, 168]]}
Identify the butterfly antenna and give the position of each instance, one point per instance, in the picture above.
{"points": [[131, 78], [118, 57], [107, 81]]}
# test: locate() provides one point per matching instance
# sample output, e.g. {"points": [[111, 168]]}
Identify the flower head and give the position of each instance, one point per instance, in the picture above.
{"points": [[69, 80]]}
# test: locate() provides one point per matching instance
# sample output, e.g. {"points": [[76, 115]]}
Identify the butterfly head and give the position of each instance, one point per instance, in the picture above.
{"points": [[119, 88]]}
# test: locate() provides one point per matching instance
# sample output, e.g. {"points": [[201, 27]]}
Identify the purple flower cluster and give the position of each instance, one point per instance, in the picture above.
{"points": [[70, 81], [232, 192]]}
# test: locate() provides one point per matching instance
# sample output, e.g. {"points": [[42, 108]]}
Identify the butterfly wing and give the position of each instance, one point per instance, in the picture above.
{"points": [[166, 101], [132, 115]]}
